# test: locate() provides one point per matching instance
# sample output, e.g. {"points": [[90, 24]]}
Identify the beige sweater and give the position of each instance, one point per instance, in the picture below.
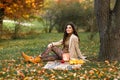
{"points": [[74, 50]]}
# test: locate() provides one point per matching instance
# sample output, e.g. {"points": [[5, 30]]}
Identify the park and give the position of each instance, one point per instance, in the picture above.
{"points": [[30, 25]]}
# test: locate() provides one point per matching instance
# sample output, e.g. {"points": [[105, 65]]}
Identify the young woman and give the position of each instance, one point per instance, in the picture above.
{"points": [[70, 48]]}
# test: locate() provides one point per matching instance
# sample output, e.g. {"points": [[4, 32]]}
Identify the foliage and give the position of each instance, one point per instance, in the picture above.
{"points": [[89, 16], [63, 12], [12, 65], [26, 28], [17, 9]]}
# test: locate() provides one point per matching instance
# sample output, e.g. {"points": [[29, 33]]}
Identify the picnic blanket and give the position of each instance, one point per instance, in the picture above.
{"points": [[57, 65]]}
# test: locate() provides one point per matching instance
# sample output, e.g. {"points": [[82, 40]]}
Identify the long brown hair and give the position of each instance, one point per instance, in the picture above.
{"points": [[74, 32]]}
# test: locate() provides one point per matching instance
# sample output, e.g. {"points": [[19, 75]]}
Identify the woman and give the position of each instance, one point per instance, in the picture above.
{"points": [[70, 44]]}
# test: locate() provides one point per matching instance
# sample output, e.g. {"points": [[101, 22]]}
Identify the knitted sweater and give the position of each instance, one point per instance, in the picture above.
{"points": [[74, 50]]}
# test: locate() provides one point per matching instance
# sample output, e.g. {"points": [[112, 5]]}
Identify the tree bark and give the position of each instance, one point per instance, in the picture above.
{"points": [[1, 20], [109, 30], [116, 29]]}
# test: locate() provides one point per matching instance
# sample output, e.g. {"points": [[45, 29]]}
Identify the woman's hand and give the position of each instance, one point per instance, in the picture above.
{"points": [[50, 45]]}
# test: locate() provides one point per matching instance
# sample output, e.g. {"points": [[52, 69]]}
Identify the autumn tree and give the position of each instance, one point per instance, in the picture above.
{"points": [[109, 29], [18, 9]]}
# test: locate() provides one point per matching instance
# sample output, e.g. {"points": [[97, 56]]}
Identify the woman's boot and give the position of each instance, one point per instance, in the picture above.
{"points": [[30, 58], [37, 59], [26, 57]]}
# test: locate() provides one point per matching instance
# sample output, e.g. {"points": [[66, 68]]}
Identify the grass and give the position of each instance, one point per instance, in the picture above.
{"points": [[37, 26], [12, 65]]}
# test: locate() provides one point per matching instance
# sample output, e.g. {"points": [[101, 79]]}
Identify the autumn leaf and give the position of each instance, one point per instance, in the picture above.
{"points": [[20, 9], [20, 73], [1, 5]]}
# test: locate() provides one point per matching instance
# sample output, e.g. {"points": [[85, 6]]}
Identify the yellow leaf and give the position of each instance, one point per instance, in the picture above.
{"points": [[106, 61], [76, 61], [20, 73], [91, 72], [33, 5], [26, 16], [26, 78], [15, 5]]}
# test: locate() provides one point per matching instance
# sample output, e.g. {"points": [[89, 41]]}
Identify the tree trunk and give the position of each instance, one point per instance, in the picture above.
{"points": [[109, 30], [1, 20]]}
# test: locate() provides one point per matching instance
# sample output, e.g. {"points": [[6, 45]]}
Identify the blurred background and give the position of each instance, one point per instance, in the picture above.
{"points": [[21, 18]]}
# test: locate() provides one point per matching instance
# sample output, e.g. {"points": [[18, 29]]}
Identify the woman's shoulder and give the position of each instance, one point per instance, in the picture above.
{"points": [[73, 36]]}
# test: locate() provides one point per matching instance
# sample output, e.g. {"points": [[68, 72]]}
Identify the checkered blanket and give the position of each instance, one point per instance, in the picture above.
{"points": [[57, 65]]}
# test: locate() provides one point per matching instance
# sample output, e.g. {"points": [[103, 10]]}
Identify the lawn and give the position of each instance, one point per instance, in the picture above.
{"points": [[12, 65]]}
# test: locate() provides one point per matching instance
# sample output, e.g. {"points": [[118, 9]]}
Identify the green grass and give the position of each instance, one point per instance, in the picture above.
{"points": [[11, 62], [36, 26]]}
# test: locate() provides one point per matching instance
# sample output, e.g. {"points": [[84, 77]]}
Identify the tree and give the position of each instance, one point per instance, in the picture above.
{"points": [[60, 13], [57, 14], [18, 9], [109, 29], [1, 19], [49, 14]]}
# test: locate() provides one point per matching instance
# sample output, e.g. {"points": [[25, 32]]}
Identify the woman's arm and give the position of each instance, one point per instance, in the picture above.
{"points": [[56, 43]]}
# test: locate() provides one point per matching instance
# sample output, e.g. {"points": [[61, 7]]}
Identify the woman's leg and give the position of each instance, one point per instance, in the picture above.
{"points": [[56, 50], [46, 52], [45, 55], [50, 58]]}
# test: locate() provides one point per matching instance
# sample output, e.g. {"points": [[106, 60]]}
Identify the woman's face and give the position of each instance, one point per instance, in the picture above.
{"points": [[69, 29]]}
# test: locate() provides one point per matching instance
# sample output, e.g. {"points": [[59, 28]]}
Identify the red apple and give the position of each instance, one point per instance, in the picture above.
{"points": [[62, 61]]}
